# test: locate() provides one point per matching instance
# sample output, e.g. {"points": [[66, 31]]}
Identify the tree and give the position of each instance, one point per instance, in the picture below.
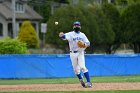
{"points": [[126, 2], [131, 26], [92, 28], [93, 21], [28, 35], [113, 15], [106, 35], [65, 16], [44, 8]]}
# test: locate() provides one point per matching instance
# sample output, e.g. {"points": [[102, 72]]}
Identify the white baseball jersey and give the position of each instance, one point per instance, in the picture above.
{"points": [[73, 38]]}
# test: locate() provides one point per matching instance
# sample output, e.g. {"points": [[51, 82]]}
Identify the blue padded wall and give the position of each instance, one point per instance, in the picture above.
{"points": [[52, 66]]}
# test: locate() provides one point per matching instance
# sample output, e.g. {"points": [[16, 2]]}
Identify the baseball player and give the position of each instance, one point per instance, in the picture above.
{"points": [[78, 42]]}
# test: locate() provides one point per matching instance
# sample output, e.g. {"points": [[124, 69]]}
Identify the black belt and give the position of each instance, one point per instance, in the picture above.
{"points": [[73, 51]]}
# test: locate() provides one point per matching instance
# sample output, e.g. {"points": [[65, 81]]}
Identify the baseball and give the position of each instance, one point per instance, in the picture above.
{"points": [[56, 23]]}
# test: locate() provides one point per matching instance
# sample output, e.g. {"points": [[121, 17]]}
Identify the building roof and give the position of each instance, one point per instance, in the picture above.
{"points": [[6, 12]]}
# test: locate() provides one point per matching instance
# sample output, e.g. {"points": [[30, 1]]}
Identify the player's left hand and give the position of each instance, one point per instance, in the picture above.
{"points": [[81, 44]]}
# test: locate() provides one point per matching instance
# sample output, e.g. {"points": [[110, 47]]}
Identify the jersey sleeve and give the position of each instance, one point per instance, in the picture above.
{"points": [[68, 36], [85, 39]]}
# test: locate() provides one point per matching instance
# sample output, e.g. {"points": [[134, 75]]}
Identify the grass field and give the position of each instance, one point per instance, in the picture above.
{"points": [[72, 81]]}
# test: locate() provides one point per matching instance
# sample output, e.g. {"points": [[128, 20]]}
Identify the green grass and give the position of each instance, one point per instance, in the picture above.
{"points": [[122, 91], [71, 80], [74, 80]]}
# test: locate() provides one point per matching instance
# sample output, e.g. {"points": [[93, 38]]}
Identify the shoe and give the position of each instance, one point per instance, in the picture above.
{"points": [[82, 82], [88, 85]]}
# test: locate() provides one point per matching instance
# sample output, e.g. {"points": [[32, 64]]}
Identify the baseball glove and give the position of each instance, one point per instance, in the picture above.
{"points": [[81, 44]]}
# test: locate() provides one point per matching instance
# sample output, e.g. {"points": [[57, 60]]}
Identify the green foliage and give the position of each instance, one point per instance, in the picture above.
{"points": [[133, 1], [43, 7], [113, 15], [106, 35], [131, 26], [126, 2], [91, 27], [28, 35], [12, 46], [44, 10], [93, 22], [65, 19], [101, 26]]}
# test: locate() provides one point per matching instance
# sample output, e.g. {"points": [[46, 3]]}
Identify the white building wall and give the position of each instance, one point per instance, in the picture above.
{"points": [[5, 29]]}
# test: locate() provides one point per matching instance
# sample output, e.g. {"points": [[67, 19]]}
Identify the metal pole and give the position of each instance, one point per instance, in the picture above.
{"points": [[44, 34], [13, 19], [44, 30]]}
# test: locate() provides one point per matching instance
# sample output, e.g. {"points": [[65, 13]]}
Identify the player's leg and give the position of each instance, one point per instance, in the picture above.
{"points": [[74, 60], [78, 73], [76, 67], [81, 62]]}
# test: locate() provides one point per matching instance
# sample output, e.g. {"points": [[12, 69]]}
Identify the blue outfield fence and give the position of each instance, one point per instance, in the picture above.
{"points": [[52, 66]]}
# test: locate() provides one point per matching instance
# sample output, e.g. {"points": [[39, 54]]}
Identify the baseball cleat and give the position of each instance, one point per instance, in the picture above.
{"points": [[82, 83], [88, 85]]}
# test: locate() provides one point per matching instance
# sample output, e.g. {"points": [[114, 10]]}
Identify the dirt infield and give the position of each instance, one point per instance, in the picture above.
{"points": [[70, 87]]}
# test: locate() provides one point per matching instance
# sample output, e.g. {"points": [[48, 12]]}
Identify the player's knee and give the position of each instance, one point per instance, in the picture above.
{"points": [[77, 71], [84, 70]]}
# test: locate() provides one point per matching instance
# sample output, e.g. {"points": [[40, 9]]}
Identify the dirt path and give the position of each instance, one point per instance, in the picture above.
{"points": [[69, 87]]}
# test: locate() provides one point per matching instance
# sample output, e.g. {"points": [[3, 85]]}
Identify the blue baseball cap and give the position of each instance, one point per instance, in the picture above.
{"points": [[76, 23]]}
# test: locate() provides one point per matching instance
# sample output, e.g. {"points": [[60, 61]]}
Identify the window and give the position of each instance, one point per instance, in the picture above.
{"points": [[10, 30], [1, 29], [19, 7], [34, 25]]}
